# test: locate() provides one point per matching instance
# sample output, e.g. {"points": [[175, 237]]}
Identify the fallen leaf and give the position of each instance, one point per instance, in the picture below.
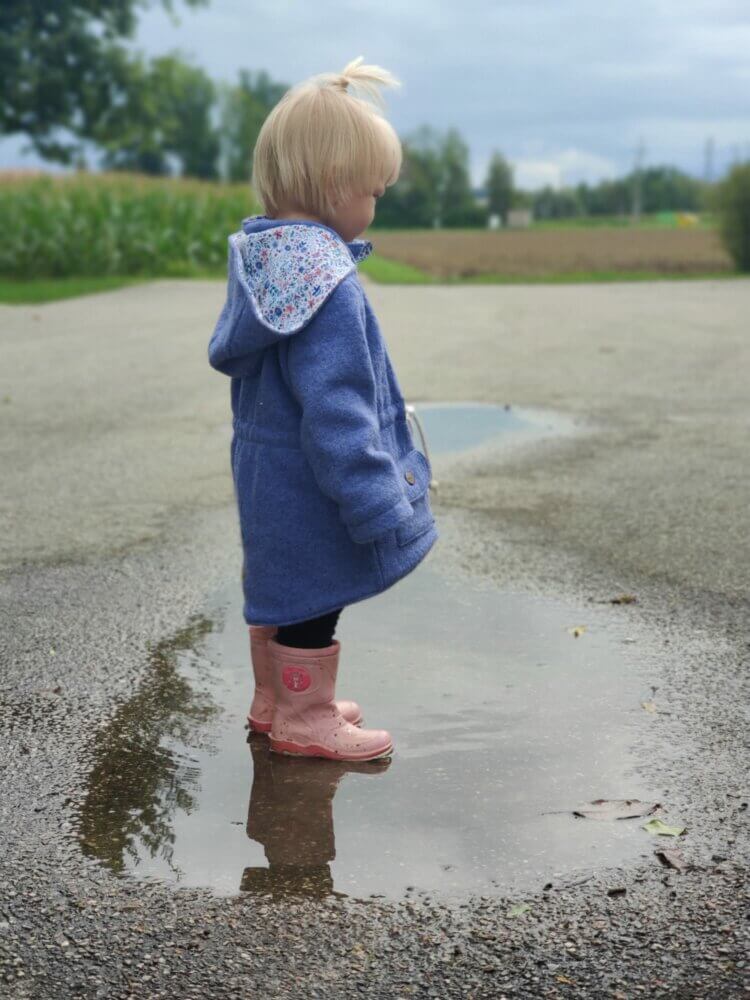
{"points": [[616, 809], [577, 630], [658, 828], [672, 858], [518, 910], [620, 599], [650, 706]]}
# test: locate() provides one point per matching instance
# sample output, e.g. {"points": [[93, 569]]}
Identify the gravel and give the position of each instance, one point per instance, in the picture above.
{"points": [[114, 538]]}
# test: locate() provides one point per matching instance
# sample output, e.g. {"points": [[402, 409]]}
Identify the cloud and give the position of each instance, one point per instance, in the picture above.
{"points": [[565, 168]]}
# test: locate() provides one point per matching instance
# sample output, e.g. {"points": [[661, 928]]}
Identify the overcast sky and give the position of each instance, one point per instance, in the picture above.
{"points": [[566, 89]]}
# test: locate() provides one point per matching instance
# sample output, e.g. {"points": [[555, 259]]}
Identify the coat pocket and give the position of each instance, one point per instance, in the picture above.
{"points": [[417, 473]]}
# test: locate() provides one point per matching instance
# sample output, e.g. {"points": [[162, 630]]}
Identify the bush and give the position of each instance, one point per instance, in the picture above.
{"points": [[732, 205], [84, 225]]}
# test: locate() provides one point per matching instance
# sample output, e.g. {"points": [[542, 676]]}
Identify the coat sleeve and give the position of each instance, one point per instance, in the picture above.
{"points": [[331, 375]]}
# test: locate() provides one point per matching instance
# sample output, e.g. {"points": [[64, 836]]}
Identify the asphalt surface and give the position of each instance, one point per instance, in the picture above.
{"points": [[117, 520]]}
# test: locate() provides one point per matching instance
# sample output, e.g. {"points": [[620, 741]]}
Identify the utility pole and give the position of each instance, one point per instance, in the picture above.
{"points": [[708, 160], [637, 193]]}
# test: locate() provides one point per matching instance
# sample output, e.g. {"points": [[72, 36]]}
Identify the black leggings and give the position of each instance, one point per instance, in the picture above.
{"points": [[311, 634]]}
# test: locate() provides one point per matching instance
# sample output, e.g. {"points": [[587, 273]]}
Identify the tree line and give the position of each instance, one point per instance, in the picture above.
{"points": [[66, 68]]}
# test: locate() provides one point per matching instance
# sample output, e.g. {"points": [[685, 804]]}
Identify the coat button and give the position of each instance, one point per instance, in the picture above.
{"points": [[409, 476]]}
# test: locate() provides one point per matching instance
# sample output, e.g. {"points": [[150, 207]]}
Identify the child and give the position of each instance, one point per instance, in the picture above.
{"points": [[332, 493]]}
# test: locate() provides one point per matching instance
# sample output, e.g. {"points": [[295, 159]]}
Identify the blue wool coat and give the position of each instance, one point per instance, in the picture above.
{"points": [[331, 491]]}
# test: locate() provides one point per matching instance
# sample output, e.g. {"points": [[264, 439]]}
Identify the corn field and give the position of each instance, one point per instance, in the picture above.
{"points": [[116, 224]]}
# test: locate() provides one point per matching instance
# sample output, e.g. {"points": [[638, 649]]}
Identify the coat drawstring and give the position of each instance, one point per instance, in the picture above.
{"points": [[411, 413]]}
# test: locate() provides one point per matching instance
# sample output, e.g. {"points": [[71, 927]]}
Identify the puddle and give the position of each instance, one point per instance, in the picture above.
{"points": [[503, 723], [458, 427]]}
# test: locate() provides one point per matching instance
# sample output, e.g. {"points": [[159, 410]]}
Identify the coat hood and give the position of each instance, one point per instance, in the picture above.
{"points": [[280, 273]]}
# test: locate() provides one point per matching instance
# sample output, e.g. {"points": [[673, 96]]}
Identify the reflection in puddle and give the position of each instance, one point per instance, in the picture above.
{"points": [[502, 724], [291, 817], [144, 770]]}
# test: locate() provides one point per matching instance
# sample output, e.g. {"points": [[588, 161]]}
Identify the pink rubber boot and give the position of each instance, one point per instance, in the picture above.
{"points": [[261, 710], [307, 721]]}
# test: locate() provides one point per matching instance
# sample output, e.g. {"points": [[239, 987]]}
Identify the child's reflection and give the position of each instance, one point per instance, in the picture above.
{"points": [[291, 815]]}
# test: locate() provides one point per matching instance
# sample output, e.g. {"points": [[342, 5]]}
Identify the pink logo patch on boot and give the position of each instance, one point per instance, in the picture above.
{"points": [[296, 678]]}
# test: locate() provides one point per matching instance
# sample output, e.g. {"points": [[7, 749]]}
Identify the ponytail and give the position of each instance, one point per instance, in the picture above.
{"points": [[368, 78]]}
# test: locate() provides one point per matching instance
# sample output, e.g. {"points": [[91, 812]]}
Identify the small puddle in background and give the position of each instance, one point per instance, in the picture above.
{"points": [[457, 427], [503, 723]]}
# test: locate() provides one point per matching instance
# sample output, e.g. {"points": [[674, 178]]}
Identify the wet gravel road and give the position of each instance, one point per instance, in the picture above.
{"points": [[117, 521]]}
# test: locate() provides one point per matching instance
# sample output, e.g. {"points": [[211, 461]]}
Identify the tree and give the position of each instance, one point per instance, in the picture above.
{"points": [[166, 109], [244, 108], [187, 96], [667, 189], [550, 203], [414, 200], [411, 201], [63, 67], [732, 202], [608, 197], [457, 204], [434, 187], [499, 185]]}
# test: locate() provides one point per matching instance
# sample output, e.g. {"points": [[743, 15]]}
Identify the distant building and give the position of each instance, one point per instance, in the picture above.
{"points": [[520, 218]]}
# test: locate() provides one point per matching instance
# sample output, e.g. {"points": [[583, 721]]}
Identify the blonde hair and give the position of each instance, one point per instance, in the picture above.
{"points": [[321, 144]]}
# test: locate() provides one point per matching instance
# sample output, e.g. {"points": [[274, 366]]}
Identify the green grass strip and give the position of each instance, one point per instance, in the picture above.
{"points": [[16, 292], [392, 272], [587, 277], [379, 269]]}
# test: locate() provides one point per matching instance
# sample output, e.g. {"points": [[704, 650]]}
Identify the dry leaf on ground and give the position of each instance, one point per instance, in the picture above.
{"points": [[616, 809], [672, 858]]}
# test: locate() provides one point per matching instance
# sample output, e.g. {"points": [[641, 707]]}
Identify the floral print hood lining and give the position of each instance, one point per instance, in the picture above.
{"points": [[289, 269]]}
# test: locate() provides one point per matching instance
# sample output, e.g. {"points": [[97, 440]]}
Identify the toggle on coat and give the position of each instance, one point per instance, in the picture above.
{"points": [[331, 491]]}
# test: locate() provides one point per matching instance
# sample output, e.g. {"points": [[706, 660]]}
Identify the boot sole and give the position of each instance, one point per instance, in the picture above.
{"points": [[265, 727], [259, 727], [296, 750]]}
